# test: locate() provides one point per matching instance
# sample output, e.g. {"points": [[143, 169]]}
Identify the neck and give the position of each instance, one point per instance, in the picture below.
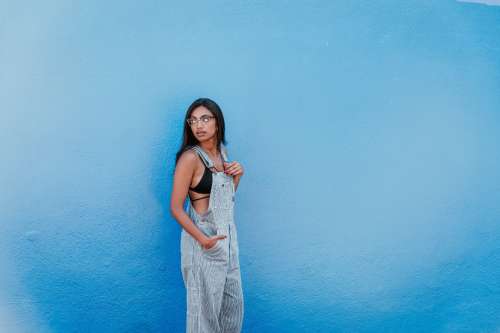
{"points": [[210, 146]]}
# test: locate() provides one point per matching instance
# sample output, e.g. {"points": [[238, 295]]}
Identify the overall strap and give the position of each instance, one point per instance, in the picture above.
{"points": [[204, 157]]}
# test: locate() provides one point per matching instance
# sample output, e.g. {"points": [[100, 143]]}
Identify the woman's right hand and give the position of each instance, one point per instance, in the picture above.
{"points": [[211, 241]]}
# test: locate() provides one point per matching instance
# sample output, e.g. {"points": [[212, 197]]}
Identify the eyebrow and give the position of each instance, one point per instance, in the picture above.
{"points": [[206, 114]]}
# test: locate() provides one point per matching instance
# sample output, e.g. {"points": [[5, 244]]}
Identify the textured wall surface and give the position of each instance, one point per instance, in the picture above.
{"points": [[368, 130]]}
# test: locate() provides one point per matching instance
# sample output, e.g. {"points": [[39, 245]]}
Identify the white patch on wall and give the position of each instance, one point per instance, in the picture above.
{"points": [[485, 2]]}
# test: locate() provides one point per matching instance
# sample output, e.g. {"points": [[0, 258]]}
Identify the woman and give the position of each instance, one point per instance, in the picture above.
{"points": [[209, 244]]}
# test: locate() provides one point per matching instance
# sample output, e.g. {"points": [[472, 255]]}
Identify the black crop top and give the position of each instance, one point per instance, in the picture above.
{"points": [[205, 184]]}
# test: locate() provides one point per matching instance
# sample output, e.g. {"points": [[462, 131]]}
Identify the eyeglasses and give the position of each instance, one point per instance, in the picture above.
{"points": [[204, 120]]}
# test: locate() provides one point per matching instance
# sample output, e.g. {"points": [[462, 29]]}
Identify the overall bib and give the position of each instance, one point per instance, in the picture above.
{"points": [[212, 276]]}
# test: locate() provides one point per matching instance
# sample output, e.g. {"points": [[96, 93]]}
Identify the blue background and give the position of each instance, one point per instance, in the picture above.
{"points": [[368, 131]]}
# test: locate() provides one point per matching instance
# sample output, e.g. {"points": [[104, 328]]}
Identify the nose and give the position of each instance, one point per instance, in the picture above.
{"points": [[200, 124]]}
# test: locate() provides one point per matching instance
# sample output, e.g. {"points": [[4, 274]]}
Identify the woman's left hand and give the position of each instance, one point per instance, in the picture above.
{"points": [[234, 169]]}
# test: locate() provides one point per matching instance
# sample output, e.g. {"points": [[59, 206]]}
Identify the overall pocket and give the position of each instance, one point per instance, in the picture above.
{"points": [[210, 230]]}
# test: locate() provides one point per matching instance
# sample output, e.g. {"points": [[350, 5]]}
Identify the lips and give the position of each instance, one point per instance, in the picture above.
{"points": [[200, 133]]}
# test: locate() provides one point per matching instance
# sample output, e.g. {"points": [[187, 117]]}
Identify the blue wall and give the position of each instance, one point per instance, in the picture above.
{"points": [[368, 131]]}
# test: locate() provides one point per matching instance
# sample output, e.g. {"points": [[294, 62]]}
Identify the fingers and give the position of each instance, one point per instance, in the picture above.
{"points": [[236, 172], [233, 168], [221, 236], [228, 166]]}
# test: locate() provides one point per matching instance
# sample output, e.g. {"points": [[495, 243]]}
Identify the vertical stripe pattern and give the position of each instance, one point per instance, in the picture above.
{"points": [[214, 295]]}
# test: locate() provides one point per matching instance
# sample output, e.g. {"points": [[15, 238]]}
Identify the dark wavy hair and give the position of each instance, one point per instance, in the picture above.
{"points": [[188, 139]]}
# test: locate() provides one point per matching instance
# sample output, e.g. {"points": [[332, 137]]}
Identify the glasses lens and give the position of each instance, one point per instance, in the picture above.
{"points": [[204, 120]]}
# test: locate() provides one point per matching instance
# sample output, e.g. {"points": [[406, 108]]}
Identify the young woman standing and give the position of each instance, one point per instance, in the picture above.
{"points": [[209, 244]]}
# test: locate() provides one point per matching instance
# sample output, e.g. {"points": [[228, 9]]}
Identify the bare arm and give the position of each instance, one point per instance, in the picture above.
{"points": [[182, 179], [183, 174]]}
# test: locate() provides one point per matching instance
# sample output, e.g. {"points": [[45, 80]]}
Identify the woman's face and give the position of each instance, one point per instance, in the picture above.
{"points": [[203, 130]]}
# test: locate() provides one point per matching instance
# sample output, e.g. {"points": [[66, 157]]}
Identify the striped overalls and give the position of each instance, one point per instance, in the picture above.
{"points": [[212, 276]]}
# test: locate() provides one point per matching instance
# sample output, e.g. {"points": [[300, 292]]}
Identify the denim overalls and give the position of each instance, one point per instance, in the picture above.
{"points": [[212, 276]]}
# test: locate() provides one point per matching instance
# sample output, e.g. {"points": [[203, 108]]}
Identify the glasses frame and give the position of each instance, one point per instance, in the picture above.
{"points": [[204, 120]]}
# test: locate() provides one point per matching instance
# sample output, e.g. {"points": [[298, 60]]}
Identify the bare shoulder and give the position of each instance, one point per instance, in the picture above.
{"points": [[188, 159]]}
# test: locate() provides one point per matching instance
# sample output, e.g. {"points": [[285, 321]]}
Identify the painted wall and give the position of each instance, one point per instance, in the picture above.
{"points": [[368, 131]]}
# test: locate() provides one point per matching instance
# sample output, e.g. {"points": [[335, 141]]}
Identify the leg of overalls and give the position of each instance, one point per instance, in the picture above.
{"points": [[205, 286], [203, 272], [190, 278], [211, 286], [231, 316]]}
